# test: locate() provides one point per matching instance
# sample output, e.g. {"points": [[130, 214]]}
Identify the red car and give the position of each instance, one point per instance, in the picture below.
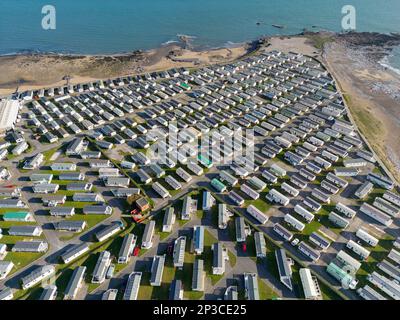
{"points": [[244, 247], [136, 251]]}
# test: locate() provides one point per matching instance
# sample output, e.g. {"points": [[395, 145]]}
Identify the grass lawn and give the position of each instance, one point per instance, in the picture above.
{"points": [[146, 290], [378, 254], [265, 291], [186, 275], [327, 292], [49, 153], [260, 203], [113, 245], [159, 225], [323, 216], [232, 258], [162, 292], [20, 259], [251, 247], [91, 220], [200, 214], [311, 227], [60, 182], [232, 229], [207, 256]]}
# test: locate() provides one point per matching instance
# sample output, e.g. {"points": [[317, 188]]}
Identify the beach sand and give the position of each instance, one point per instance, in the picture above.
{"points": [[296, 44], [370, 93], [30, 72]]}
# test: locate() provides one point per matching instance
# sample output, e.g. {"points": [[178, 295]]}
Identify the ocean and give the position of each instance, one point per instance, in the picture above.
{"points": [[107, 27]]}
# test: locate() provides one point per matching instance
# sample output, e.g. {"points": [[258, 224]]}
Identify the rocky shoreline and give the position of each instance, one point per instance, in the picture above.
{"points": [[375, 46], [368, 50]]}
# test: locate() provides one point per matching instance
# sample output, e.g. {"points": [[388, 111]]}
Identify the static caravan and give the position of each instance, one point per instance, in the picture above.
{"points": [[364, 154], [313, 168], [390, 287], [257, 183], [364, 190], [359, 250], [160, 190], [269, 176], [144, 177], [277, 197], [338, 220], [183, 175], [283, 142], [173, 183], [392, 197], [394, 255], [308, 251], [218, 185], [315, 141], [290, 137], [307, 174], [249, 191], [283, 232], [310, 146], [376, 214], [386, 207], [320, 195], [366, 237], [307, 215], [278, 170], [292, 221], [350, 213], [236, 198], [195, 168], [319, 240], [348, 260], [223, 216], [330, 187], [354, 163], [299, 182], [257, 214], [330, 156], [289, 189], [227, 177], [293, 158], [322, 162], [312, 204], [336, 180], [367, 293]]}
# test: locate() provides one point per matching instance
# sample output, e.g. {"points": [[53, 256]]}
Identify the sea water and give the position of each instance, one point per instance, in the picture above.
{"points": [[107, 27]]}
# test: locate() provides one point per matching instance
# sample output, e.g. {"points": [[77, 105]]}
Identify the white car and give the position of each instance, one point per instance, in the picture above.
{"points": [[295, 242]]}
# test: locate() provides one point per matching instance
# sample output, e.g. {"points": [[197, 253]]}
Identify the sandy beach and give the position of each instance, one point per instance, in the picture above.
{"points": [[372, 94], [30, 72]]}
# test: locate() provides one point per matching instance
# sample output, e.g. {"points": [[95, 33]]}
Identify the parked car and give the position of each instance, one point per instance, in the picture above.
{"points": [[110, 271], [136, 251], [295, 242]]}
